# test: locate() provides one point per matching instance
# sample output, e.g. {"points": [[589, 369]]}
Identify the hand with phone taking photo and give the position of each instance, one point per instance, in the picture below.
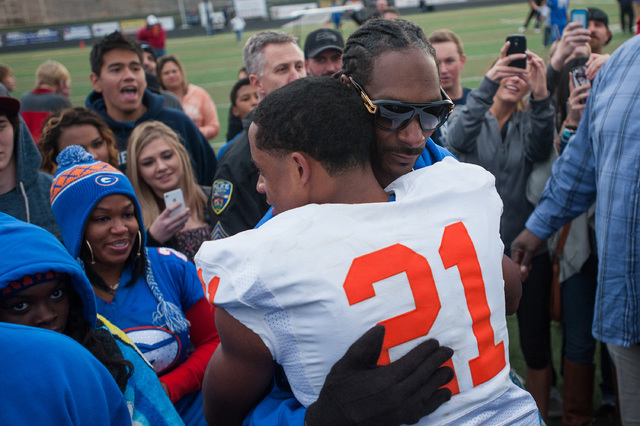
{"points": [[502, 68], [168, 224], [535, 75], [574, 41], [577, 99]]}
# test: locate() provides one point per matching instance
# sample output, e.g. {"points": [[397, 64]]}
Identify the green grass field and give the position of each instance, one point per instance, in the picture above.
{"points": [[212, 62]]}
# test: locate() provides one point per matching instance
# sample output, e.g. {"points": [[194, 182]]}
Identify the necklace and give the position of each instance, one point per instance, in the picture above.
{"points": [[115, 286]]}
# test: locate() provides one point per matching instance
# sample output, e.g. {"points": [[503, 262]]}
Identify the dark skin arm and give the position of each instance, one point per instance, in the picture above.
{"points": [[238, 374], [522, 250], [512, 285]]}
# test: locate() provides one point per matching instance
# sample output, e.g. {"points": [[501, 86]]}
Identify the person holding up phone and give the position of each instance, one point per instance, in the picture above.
{"points": [[159, 164], [496, 131], [578, 41]]}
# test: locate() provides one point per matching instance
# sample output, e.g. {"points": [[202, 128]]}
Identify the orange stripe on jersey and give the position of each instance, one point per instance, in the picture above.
{"points": [[211, 288]]}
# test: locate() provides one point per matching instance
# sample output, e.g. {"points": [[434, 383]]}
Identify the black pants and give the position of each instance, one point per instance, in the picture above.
{"points": [[533, 13], [626, 10], [534, 321]]}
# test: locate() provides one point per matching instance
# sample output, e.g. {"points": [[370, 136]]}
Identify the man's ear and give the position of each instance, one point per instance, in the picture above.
{"points": [[95, 82], [463, 60], [302, 166], [234, 110], [255, 82]]}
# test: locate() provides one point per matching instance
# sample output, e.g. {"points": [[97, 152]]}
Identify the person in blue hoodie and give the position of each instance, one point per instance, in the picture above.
{"points": [[42, 286], [24, 189], [120, 97], [67, 386]]}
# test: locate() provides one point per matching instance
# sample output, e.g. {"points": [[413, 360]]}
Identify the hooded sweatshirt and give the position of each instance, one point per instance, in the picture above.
{"points": [[29, 200], [29, 250], [51, 380], [203, 159]]}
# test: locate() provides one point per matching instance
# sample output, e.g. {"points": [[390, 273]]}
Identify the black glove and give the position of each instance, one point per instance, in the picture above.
{"points": [[359, 392]]}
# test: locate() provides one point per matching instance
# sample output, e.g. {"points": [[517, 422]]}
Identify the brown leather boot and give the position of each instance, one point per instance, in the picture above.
{"points": [[578, 393]]}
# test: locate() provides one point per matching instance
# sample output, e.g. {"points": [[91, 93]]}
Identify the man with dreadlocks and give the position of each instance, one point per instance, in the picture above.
{"points": [[279, 325]]}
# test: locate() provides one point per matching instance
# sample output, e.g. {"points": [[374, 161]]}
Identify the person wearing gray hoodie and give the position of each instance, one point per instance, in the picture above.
{"points": [[24, 189]]}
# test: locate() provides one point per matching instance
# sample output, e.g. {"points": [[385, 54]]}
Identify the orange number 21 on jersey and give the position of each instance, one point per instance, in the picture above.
{"points": [[456, 249]]}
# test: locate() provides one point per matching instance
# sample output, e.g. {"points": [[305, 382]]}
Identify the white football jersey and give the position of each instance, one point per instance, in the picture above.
{"points": [[313, 280]]}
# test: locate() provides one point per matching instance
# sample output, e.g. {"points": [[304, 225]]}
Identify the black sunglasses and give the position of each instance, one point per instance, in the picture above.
{"points": [[395, 115]]}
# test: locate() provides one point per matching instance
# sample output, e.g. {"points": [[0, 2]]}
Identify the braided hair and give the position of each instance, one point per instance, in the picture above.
{"points": [[379, 36]]}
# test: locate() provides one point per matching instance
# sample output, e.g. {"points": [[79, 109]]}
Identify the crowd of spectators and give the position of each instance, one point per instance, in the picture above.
{"points": [[558, 138]]}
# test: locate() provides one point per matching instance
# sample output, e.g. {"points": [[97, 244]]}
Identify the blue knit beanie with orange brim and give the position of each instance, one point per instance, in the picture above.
{"points": [[80, 183]]}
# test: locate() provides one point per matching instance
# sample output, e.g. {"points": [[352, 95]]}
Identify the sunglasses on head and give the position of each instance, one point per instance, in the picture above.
{"points": [[395, 115]]}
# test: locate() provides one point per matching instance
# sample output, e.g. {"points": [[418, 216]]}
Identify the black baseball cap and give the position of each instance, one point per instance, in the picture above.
{"points": [[146, 47], [9, 104], [322, 39], [598, 15]]}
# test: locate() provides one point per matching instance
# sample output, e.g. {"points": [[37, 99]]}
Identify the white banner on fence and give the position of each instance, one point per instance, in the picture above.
{"points": [[251, 8]]}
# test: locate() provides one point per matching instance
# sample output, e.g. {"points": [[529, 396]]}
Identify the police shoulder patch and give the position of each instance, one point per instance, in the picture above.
{"points": [[221, 195]]}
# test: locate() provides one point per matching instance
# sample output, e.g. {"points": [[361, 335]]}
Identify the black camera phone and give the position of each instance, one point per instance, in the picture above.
{"points": [[518, 45]]}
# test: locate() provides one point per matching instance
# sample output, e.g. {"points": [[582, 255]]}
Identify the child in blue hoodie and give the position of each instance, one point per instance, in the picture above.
{"points": [[41, 285]]}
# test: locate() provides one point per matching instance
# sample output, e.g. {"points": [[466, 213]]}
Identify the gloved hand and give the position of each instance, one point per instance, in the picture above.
{"points": [[357, 391]]}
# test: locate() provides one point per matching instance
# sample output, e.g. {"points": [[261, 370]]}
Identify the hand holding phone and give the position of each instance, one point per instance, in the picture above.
{"points": [[579, 76], [518, 44], [172, 197], [579, 79]]}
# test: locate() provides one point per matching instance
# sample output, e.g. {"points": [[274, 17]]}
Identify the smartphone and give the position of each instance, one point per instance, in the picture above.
{"points": [[579, 76], [579, 15], [518, 45], [174, 196]]}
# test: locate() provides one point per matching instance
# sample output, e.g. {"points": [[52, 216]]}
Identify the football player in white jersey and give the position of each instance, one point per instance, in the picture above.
{"points": [[300, 289]]}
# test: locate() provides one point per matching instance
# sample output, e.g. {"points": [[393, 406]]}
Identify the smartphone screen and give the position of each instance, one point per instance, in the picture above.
{"points": [[518, 45], [579, 15], [579, 76], [174, 196]]}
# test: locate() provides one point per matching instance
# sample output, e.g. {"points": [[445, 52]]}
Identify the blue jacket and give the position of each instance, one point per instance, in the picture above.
{"points": [[30, 250], [203, 159], [50, 379], [133, 309]]}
